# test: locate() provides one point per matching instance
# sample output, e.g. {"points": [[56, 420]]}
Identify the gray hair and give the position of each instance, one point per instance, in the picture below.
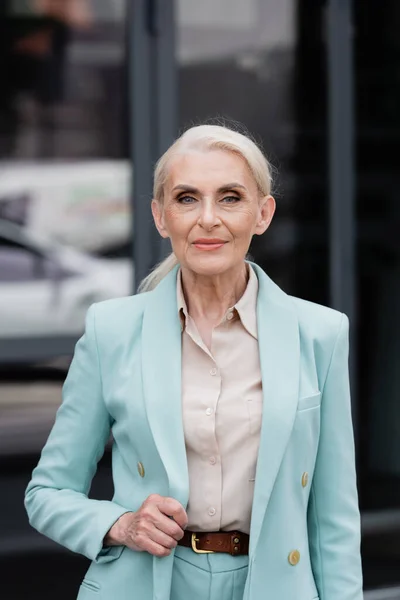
{"points": [[206, 137]]}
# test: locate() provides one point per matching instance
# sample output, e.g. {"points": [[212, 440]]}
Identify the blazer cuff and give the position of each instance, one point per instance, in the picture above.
{"points": [[109, 514]]}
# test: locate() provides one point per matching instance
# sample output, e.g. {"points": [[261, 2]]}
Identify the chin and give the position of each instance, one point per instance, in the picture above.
{"points": [[210, 265]]}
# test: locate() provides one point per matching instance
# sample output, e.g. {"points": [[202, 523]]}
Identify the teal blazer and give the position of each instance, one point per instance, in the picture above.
{"points": [[125, 378]]}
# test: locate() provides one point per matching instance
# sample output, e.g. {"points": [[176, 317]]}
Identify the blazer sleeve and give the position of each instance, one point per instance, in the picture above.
{"points": [[333, 515], [56, 497]]}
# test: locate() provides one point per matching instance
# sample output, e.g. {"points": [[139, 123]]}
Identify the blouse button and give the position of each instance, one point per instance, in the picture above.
{"points": [[209, 411], [140, 469]]}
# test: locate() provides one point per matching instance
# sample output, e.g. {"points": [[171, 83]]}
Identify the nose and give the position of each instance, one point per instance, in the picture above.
{"points": [[208, 217]]}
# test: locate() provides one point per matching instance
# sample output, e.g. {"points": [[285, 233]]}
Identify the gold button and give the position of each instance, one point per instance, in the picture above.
{"points": [[236, 540], [304, 479], [294, 557], [140, 468]]}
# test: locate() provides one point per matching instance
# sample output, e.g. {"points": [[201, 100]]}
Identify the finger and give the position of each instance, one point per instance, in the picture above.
{"points": [[148, 545], [168, 526], [174, 509], [162, 538], [146, 531]]}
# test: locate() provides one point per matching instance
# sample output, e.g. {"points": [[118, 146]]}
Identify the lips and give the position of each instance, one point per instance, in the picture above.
{"points": [[209, 244], [204, 241]]}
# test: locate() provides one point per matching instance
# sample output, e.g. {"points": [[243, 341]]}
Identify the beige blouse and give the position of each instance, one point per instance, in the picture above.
{"points": [[222, 407]]}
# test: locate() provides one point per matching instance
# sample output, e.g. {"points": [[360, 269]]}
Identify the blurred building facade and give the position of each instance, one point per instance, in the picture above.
{"points": [[73, 114]]}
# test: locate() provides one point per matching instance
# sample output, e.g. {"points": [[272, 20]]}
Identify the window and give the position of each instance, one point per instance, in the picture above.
{"points": [[378, 276], [263, 64], [64, 147]]}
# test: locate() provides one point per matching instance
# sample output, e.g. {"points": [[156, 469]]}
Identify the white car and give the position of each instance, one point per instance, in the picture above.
{"points": [[84, 205], [46, 289]]}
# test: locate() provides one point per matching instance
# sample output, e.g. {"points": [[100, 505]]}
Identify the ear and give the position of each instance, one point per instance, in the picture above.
{"points": [[158, 217], [267, 210]]}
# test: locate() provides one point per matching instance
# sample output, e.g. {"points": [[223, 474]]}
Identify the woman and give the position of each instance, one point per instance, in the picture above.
{"points": [[228, 401]]}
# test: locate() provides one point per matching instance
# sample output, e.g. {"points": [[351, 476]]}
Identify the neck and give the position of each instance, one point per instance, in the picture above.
{"points": [[209, 297]]}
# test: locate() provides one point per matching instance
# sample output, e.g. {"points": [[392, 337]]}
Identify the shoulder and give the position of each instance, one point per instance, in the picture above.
{"points": [[316, 315], [323, 332], [119, 315], [318, 322]]}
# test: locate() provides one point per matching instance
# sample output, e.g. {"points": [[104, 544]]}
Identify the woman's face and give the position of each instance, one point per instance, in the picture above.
{"points": [[211, 210]]}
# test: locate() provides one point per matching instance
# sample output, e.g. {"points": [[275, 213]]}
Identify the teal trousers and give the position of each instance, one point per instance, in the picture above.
{"points": [[218, 576]]}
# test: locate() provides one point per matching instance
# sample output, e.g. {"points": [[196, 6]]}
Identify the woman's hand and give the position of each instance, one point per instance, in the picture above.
{"points": [[151, 528]]}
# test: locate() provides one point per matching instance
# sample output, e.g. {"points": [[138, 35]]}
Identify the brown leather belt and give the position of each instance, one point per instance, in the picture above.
{"points": [[232, 542]]}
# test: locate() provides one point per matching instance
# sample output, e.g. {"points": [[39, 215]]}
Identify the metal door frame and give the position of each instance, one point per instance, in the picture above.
{"points": [[153, 90], [342, 218]]}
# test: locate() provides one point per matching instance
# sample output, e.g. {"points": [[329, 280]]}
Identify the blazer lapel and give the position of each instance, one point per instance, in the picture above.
{"points": [[279, 344], [161, 360], [161, 373]]}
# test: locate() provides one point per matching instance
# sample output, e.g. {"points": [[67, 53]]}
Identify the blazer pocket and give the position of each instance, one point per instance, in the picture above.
{"points": [[88, 584], [309, 402]]}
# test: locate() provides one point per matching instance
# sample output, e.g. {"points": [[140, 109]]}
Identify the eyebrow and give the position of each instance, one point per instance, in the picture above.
{"points": [[224, 188]]}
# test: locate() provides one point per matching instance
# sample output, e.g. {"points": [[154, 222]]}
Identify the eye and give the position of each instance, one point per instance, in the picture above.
{"points": [[230, 199], [186, 200]]}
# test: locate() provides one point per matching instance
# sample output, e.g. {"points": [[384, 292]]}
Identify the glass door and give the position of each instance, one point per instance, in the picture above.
{"points": [[75, 118], [378, 249], [263, 64], [65, 184]]}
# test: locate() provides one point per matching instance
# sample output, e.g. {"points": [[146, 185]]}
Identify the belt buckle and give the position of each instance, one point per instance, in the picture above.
{"points": [[195, 549]]}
